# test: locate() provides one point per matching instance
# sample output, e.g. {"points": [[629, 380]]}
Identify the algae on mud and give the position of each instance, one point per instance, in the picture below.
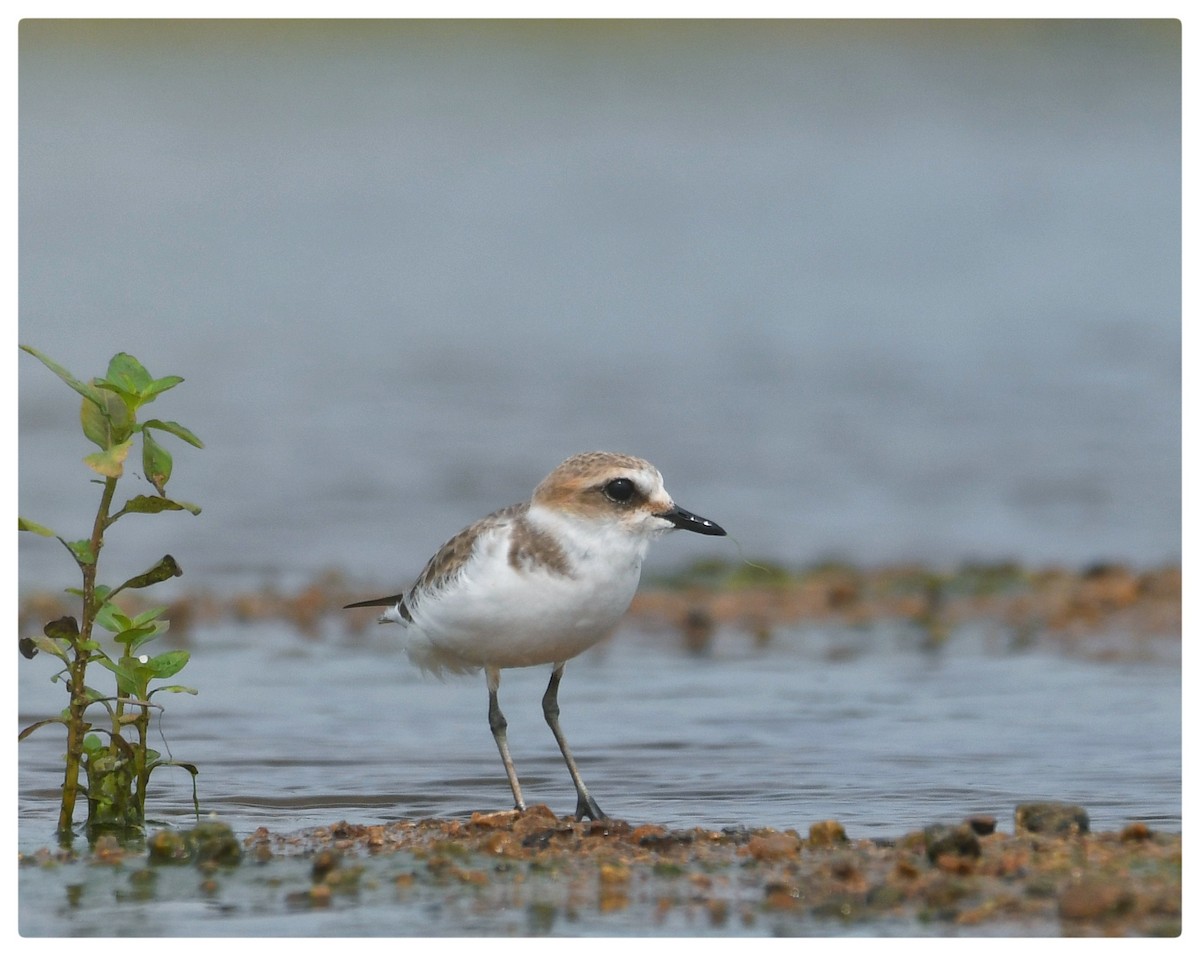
{"points": [[534, 873]]}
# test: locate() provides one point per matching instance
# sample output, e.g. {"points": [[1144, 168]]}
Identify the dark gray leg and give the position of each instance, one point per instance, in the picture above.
{"points": [[586, 806], [500, 731]]}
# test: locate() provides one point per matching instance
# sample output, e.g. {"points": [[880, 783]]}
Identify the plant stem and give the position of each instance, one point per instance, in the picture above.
{"points": [[77, 725]]}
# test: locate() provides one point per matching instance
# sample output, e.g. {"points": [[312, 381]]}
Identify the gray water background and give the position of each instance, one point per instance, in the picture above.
{"points": [[872, 291]]}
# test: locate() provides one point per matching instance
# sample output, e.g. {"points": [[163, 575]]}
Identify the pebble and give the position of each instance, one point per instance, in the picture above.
{"points": [[982, 824], [1052, 819], [773, 846], [942, 840], [826, 833]]}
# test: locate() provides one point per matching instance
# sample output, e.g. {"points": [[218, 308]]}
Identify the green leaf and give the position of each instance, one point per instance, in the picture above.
{"points": [[62, 629], [158, 386], [82, 550], [111, 462], [24, 524], [143, 635], [149, 505], [175, 429], [41, 643], [153, 504], [92, 744], [111, 618], [174, 689], [147, 616], [156, 462], [100, 590], [134, 636], [127, 676], [163, 571], [91, 692], [106, 419], [167, 664], [96, 426], [126, 374], [189, 767], [85, 390], [41, 723]]}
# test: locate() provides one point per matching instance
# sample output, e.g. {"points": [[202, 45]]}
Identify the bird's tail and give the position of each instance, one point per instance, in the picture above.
{"points": [[376, 602]]}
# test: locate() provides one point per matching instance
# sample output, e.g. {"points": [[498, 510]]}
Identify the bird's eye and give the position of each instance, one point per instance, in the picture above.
{"points": [[620, 490]]}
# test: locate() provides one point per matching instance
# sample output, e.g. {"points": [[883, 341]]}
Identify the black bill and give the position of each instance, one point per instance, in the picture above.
{"points": [[690, 522]]}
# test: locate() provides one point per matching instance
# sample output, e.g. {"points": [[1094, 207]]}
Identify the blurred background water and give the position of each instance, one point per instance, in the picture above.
{"points": [[877, 291], [868, 290]]}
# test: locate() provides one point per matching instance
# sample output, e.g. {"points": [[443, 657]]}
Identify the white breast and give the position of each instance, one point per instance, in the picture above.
{"points": [[501, 615]]}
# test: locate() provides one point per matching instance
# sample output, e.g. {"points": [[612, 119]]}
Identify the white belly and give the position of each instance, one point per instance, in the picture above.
{"points": [[500, 616]]}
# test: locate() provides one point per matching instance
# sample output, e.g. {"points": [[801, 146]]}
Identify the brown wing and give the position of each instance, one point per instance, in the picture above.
{"points": [[447, 562]]}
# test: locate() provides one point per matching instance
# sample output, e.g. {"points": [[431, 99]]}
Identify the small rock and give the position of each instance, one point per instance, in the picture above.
{"points": [[536, 818], [982, 824], [1136, 832], [324, 863], [773, 846], [502, 819], [1052, 819], [782, 895], [648, 834], [941, 840], [826, 833], [208, 843], [845, 870], [167, 846], [608, 827], [108, 849], [320, 895]]}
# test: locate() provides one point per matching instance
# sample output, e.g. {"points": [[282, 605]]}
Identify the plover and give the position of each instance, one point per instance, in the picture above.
{"points": [[539, 583]]}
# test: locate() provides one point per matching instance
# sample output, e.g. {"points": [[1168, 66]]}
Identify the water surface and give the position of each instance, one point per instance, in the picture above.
{"points": [[861, 726]]}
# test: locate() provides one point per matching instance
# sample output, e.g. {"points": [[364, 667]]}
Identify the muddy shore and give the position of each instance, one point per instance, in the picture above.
{"points": [[1103, 610], [533, 873], [1038, 871]]}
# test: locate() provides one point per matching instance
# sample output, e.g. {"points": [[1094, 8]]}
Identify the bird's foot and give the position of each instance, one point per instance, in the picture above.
{"points": [[587, 807]]}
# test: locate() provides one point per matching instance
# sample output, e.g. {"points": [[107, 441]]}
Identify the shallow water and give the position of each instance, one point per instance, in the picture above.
{"points": [[862, 726]]}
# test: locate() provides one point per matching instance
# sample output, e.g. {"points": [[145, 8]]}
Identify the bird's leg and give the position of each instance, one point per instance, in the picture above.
{"points": [[586, 806], [500, 731]]}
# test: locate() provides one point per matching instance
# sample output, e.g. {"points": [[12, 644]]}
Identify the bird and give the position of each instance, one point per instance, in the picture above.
{"points": [[539, 583]]}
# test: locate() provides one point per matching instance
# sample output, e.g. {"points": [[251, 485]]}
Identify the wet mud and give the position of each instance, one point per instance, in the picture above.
{"points": [[534, 873]]}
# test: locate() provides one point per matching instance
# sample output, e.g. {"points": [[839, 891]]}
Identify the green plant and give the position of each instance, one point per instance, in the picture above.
{"points": [[115, 760]]}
